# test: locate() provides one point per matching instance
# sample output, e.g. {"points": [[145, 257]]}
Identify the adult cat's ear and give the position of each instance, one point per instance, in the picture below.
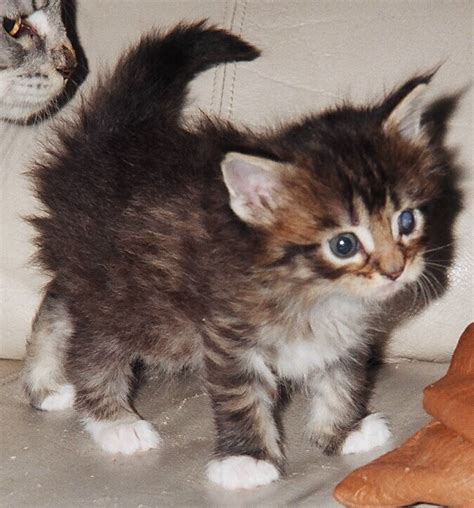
{"points": [[254, 185], [403, 109]]}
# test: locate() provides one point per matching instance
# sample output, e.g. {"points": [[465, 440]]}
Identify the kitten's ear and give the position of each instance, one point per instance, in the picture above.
{"points": [[404, 108], [254, 185]]}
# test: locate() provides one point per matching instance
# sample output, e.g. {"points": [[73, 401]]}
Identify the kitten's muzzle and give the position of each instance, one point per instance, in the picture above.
{"points": [[65, 61]]}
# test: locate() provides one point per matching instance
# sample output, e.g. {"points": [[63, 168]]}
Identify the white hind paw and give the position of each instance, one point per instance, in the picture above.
{"points": [[123, 437], [63, 398], [241, 472], [372, 432]]}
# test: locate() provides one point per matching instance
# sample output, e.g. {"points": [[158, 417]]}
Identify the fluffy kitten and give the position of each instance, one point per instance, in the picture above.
{"points": [[256, 259], [36, 57]]}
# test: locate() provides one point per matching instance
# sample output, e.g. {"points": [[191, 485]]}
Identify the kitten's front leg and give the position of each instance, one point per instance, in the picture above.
{"points": [[339, 421], [248, 450]]}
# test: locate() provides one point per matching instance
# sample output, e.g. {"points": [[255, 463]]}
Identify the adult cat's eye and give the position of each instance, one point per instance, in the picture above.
{"points": [[344, 245], [406, 222], [12, 26]]}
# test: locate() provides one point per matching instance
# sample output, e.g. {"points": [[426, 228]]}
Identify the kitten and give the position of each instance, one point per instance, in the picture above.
{"points": [[257, 260], [36, 57]]}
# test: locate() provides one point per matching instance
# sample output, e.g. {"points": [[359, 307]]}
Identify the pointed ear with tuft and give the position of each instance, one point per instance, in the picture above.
{"points": [[255, 187], [404, 109]]}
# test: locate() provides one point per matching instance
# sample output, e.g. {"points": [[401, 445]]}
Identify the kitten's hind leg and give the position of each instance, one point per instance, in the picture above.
{"points": [[339, 420], [104, 382], [44, 377]]}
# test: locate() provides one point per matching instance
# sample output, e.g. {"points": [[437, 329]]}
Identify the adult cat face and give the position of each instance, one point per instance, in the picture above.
{"points": [[36, 57]]}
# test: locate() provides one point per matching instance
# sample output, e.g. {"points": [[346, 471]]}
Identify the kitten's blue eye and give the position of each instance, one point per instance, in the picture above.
{"points": [[344, 245], [406, 222]]}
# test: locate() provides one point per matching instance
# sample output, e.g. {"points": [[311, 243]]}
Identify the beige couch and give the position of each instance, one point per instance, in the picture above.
{"points": [[315, 53]]}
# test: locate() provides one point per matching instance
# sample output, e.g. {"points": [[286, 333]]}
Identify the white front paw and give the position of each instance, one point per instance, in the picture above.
{"points": [[241, 472], [123, 437], [373, 431], [58, 400]]}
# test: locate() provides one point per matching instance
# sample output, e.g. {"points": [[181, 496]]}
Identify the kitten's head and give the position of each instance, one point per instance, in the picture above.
{"points": [[36, 58], [353, 202]]}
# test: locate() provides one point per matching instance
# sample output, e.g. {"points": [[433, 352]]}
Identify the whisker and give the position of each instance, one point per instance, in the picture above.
{"points": [[414, 289], [428, 296], [436, 288], [435, 281], [424, 291], [438, 265], [438, 248], [417, 292]]}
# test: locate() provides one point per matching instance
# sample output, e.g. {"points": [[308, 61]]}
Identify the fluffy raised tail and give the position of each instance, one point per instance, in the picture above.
{"points": [[151, 80]]}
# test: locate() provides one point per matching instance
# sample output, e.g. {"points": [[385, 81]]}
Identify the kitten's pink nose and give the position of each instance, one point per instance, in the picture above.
{"points": [[390, 262], [394, 274]]}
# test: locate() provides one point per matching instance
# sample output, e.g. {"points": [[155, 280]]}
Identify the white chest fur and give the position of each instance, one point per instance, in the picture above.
{"points": [[317, 338]]}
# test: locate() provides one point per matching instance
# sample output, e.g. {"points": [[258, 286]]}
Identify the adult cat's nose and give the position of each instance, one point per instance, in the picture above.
{"points": [[64, 59]]}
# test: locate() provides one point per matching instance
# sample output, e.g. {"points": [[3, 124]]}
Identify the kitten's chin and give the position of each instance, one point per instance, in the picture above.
{"points": [[388, 291], [384, 292]]}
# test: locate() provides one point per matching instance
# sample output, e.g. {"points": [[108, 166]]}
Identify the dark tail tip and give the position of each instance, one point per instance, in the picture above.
{"points": [[161, 65], [206, 45]]}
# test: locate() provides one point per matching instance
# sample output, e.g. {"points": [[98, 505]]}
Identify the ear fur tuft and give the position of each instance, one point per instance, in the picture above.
{"points": [[403, 109]]}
